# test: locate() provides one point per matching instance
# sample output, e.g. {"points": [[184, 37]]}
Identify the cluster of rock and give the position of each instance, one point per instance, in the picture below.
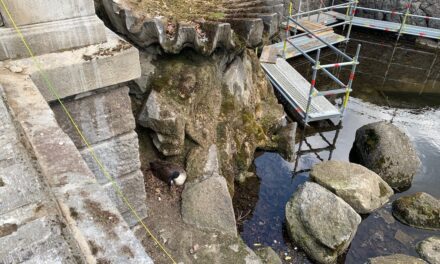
{"points": [[210, 114], [323, 215]]}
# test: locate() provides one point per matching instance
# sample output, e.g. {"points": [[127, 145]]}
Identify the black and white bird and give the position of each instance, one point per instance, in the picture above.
{"points": [[168, 172]]}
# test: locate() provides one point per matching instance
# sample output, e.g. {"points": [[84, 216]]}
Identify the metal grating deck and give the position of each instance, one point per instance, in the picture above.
{"points": [[296, 89], [390, 26]]}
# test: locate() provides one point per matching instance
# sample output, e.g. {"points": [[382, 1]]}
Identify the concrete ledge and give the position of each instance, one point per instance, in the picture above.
{"points": [[95, 223], [52, 36], [85, 69], [26, 12]]}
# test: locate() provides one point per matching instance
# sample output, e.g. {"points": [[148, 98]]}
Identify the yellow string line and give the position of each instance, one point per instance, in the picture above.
{"points": [[89, 147]]}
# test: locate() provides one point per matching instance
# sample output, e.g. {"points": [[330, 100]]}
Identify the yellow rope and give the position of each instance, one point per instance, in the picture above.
{"points": [[89, 147]]}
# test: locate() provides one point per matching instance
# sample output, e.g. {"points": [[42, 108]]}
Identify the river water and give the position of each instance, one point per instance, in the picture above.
{"points": [[416, 113]]}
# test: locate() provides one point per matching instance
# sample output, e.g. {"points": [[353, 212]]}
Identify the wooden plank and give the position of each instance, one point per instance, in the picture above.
{"points": [[307, 44], [269, 54], [312, 26]]}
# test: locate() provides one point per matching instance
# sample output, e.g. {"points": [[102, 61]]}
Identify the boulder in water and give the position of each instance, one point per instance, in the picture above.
{"points": [[384, 149], [396, 259], [320, 222], [429, 249], [419, 210], [361, 188]]}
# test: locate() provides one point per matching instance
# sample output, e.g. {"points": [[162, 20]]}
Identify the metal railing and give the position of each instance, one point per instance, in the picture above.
{"points": [[343, 88]]}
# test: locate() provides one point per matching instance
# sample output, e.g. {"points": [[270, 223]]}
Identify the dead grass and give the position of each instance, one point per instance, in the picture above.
{"points": [[179, 10]]}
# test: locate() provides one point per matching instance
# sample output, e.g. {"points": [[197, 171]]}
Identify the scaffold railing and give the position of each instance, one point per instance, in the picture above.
{"points": [[342, 88]]}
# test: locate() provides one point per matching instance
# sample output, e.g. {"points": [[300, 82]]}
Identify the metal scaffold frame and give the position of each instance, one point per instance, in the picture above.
{"points": [[317, 66]]}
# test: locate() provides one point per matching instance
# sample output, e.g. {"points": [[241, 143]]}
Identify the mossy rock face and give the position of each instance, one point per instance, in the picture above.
{"points": [[396, 259], [419, 210], [223, 100], [384, 149]]}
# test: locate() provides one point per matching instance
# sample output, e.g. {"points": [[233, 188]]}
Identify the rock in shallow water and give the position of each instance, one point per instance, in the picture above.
{"points": [[384, 149], [268, 255], [429, 249], [321, 223], [419, 210], [361, 188], [396, 259]]}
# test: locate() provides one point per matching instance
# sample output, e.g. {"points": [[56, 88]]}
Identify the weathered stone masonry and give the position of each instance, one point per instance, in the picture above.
{"points": [[107, 121], [83, 61]]}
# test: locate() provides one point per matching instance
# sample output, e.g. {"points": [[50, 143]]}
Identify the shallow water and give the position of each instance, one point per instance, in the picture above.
{"points": [[379, 233]]}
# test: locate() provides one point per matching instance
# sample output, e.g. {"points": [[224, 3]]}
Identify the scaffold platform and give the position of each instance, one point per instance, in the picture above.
{"points": [[295, 88], [387, 26]]}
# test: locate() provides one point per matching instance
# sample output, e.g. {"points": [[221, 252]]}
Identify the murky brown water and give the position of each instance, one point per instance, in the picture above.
{"points": [[418, 114]]}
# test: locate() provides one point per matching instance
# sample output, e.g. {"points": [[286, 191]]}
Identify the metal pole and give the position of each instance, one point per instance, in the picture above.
{"points": [[353, 12], [308, 9], [317, 17], [299, 17], [408, 6], [347, 13], [350, 81], [430, 68], [287, 31], [312, 86], [313, 61]]}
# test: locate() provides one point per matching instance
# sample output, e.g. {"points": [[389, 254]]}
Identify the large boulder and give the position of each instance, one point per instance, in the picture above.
{"points": [[361, 188], [384, 149], [320, 222], [396, 259], [206, 202], [429, 249], [420, 210], [208, 205]]}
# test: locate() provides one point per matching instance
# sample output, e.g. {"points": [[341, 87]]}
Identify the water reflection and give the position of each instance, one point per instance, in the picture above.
{"points": [[379, 233], [307, 144]]}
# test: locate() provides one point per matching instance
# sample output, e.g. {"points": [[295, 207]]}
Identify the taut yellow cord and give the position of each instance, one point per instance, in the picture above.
{"points": [[102, 168]]}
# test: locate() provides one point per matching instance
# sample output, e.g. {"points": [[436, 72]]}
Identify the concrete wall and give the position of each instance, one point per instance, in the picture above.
{"points": [[28, 12], [411, 70], [48, 26], [107, 121]]}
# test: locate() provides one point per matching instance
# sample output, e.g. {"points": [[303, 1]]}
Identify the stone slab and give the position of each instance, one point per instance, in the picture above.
{"points": [[133, 186], [37, 241], [94, 221], [100, 116], [30, 226], [85, 69], [26, 12], [119, 155], [51, 37]]}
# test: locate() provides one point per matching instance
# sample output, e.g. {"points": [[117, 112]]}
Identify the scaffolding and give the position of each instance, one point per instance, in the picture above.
{"points": [[309, 103]]}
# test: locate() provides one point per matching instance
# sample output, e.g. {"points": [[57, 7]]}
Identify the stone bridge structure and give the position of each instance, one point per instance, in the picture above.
{"points": [[56, 206]]}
